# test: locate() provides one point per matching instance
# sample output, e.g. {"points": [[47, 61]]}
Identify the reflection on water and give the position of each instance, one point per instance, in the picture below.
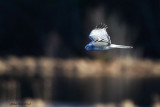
{"points": [[41, 103], [125, 82]]}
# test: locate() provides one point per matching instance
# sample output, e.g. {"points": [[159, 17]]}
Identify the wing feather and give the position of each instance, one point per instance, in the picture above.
{"points": [[99, 34]]}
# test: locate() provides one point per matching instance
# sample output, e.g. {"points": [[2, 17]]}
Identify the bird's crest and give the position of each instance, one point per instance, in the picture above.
{"points": [[101, 26]]}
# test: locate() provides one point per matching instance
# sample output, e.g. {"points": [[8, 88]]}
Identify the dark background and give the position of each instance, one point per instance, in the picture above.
{"points": [[42, 53], [55, 27]]}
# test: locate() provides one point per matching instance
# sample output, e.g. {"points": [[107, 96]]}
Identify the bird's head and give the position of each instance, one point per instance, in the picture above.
{"points": [[89, 47]]}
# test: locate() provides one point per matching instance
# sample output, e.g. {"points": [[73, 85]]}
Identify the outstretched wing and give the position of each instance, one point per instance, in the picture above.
{"points": [[99, 34]]}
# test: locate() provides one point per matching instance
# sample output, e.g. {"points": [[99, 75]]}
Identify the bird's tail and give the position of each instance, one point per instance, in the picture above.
{"points": [[120, 46]]}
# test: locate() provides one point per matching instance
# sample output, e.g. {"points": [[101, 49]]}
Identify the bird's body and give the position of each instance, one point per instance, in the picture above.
{"points": [[101, 40]]}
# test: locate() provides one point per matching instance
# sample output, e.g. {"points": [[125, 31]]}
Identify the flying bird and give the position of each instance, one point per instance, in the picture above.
{"points": [[101, 40]]}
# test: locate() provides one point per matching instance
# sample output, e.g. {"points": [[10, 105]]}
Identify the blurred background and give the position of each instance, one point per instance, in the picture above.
{"points": [[43, 62]]}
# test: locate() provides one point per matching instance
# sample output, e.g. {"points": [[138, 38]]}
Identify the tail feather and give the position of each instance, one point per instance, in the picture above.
{"points": [[120, 46]]}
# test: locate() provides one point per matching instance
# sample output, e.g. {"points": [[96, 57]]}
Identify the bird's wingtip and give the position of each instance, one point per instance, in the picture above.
{"points": [[101, 26]]}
